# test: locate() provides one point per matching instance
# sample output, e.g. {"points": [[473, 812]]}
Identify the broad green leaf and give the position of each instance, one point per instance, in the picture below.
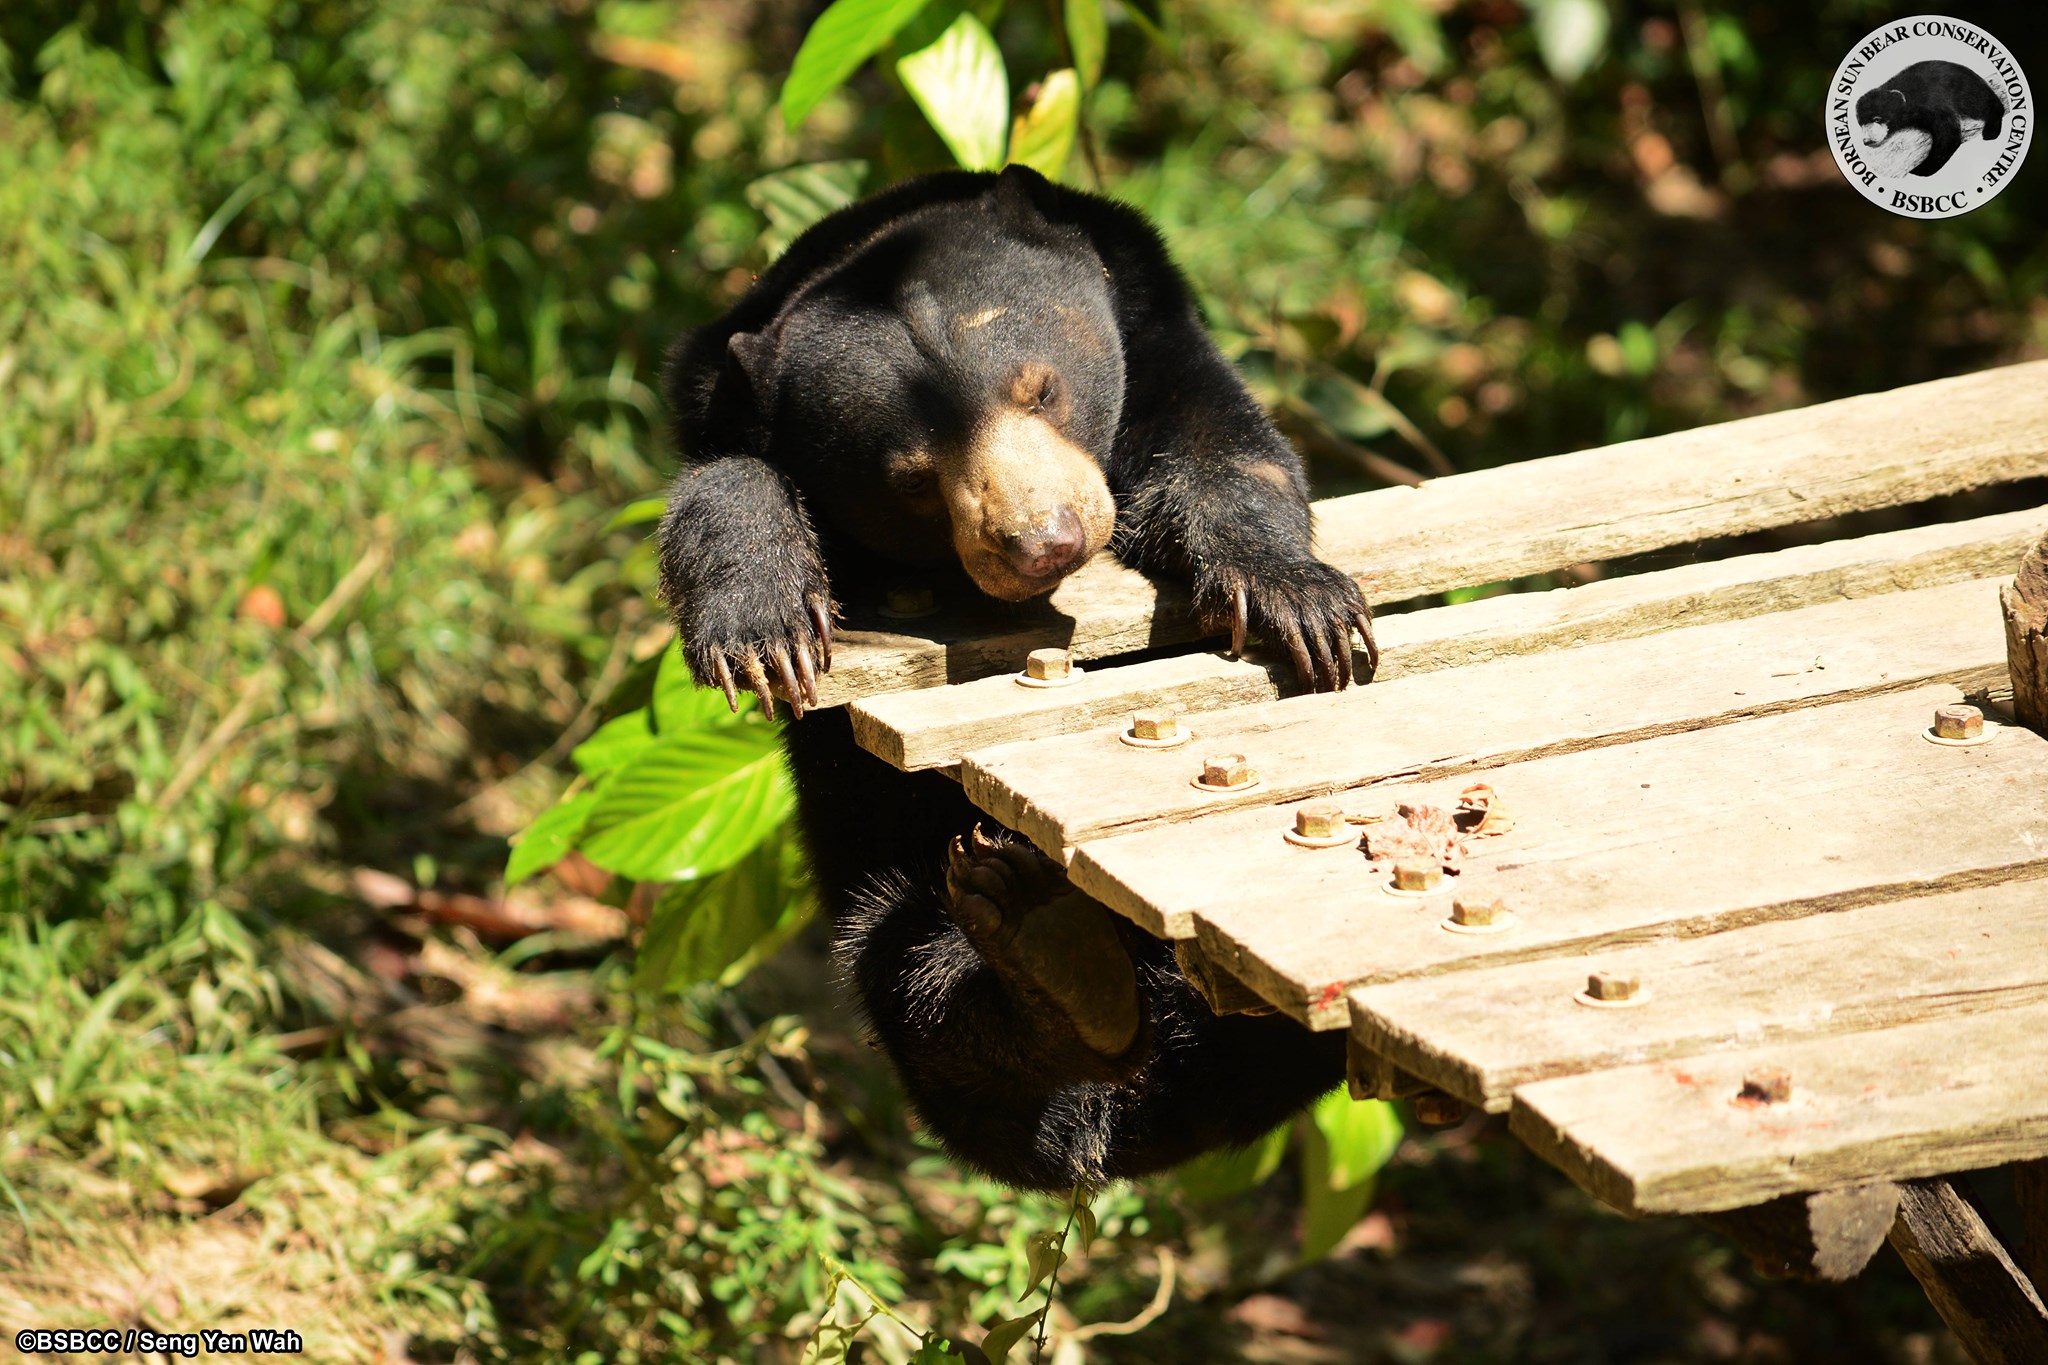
{"points": [[938, 1351], [1216, 1176], [1007, 1333], [1084, 1223], [615, 744], [719, 928], [637, 512], [1042, 1255], [1087, 39], [1570, 35], [549, 838], [1347, 1141], [1362, 1135], [681, 706], [960, 84], [846, 34], [689, 805], [794, 199], [1044, 134]]}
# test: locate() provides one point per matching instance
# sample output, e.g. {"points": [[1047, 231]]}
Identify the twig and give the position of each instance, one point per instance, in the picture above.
{"points": [[1052, 1282], [1147, 1315], [1318, 436], [238, 716]]}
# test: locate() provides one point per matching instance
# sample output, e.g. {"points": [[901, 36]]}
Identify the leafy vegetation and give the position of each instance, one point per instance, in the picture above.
{"points": [[328, 444]]}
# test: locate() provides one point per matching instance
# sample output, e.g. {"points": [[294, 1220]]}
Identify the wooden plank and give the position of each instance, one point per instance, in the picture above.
{"points": [[1071, 789], [1828, 1236], [2025, 603], [934, 727], [1703, 832], [1879, 450], [1971, 1281], [1918, 1100], [1480, 1034]]}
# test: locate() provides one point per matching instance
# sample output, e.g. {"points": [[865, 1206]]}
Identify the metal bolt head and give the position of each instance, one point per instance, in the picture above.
{"points": [[1771, 1085], [1417, 874], [1438, 1110], [1047, 665], [909, 601], [1155, 722], [1613, 986], [1227, 770], [1958, 722], [1319, 821], [1478, 913]]}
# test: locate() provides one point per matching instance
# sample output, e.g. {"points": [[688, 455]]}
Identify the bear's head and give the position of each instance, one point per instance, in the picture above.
{"points": [[951, 389], [1878, 112]]}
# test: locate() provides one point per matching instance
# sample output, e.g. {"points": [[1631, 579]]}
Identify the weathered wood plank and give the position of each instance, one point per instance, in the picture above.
{"points": [[1879, 450], [933, 727], [1971, 1281], [1918, 1100], [1703, 832], [1827, 1236], [1480, 1034], [1071, 789], [2025, 603]]}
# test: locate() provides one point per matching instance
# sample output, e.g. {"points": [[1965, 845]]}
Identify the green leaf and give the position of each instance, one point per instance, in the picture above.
{"points": [[960, 83], [1362, 1135], [689, 805], [1570, 35], [794, 199], [1217, 1176], [1042, 1255], [637, 513], [719, 928], [846, 34], [549, 838], [615, 744], [1348, 1141], [681, 706], [1044, 134], [1087, 39], [1007, 1333], [937, 1351], [1084, 1223]]}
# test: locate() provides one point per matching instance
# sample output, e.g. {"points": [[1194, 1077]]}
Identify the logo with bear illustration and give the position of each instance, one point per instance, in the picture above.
{"points": [[1929, 116]]}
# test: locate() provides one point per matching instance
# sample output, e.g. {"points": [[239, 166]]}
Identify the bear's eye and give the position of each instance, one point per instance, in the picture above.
{"points": [[913, 477], [1048, 392]]}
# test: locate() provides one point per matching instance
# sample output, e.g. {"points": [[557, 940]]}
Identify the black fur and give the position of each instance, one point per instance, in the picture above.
{"points": [[1043, 1039], [1934, 97]]}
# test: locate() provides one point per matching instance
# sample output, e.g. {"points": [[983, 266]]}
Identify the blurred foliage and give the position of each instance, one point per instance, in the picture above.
{"points": [[328, 344]]}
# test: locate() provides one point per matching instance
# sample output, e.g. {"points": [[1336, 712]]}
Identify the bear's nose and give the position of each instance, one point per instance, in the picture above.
{"points": [[1048, 549]]}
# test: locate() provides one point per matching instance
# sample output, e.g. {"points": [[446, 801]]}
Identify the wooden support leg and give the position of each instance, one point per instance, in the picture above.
{"points": [[1968, 1276], [1830, 1235], [2030, 1188], [2025, 600], [1222, 991]]}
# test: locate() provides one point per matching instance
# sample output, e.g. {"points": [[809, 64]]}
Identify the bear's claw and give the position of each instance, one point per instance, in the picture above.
{"points": [[1047, 941], [1305, 605]]}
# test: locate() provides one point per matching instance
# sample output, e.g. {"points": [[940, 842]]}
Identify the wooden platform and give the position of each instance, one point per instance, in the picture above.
{"points": [[1720, 786]]}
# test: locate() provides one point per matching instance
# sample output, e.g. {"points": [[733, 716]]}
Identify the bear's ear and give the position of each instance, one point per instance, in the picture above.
{"points": [[1017, 200], [754, 356]]}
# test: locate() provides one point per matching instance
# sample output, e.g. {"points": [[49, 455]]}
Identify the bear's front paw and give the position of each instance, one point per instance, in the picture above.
{"points": [[1048, 942], [773, 637], [1304, 604]]}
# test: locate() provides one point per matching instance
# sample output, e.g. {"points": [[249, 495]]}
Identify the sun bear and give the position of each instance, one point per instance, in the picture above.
{"points": [[991, 377], [1942, 100]]}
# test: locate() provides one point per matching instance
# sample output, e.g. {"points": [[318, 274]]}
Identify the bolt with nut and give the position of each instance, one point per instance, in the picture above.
{"points": [[1958, 721], [1613, 987], [1322, 820], [1418, 874], [1478, 914], [1048, 665], [1155, 722], [1227, 770]]}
